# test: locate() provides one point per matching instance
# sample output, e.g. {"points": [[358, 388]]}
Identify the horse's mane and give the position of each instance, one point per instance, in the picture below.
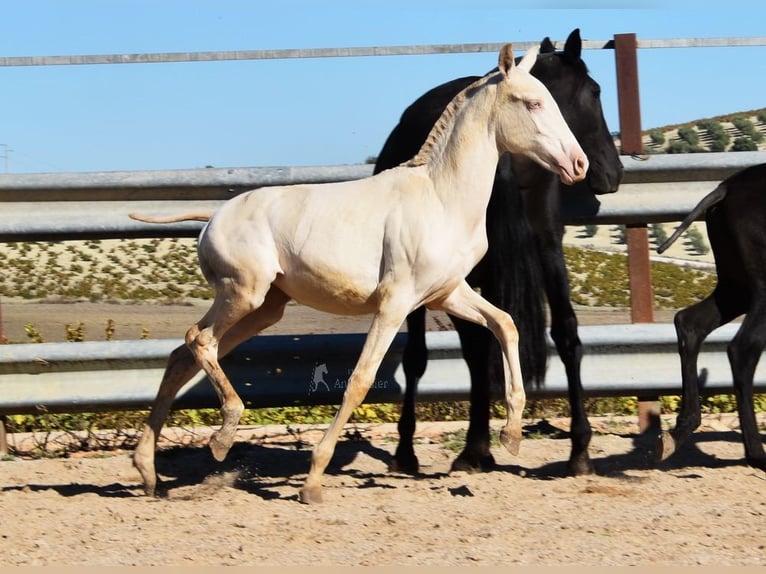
{"points": [[446, 121]]}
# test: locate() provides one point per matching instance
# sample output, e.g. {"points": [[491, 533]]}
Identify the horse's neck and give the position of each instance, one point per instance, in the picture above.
{"points": [[462, 167]]}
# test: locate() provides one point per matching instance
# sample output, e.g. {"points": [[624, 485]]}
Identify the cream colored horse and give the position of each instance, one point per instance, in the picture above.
{"points": [[382, 245]]}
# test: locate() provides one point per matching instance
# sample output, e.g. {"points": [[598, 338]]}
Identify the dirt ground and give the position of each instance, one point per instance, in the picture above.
{"points": [[171, 321], [701, 507]]}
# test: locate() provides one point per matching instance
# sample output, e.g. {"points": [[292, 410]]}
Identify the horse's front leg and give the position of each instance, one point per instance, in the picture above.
{"points": [[549, 235], [477, 345], [465, 303], [385, 325]]}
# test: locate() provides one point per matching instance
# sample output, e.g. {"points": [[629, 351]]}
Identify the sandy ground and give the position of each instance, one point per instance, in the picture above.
{"points": [[702, 507]]}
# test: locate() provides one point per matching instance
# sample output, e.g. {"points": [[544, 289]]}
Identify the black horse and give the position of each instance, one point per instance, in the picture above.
{"points": [[735, 216], [524, 261]]}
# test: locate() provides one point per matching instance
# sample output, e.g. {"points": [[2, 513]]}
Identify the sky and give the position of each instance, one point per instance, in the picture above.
{"points": [[319, 111]]}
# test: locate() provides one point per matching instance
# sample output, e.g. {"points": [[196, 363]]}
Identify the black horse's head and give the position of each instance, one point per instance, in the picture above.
{"points": [[578, 96]]}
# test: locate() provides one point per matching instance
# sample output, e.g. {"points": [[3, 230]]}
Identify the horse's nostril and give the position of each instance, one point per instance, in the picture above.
{"points": [[581, 165]]}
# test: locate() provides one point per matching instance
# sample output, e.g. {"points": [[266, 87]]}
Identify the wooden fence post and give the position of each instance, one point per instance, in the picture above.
{"points": [[641, 295]]}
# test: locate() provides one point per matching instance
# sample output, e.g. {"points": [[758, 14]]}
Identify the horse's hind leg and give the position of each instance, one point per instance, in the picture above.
{"points": [[744, 352], [243, 313], [181, 367], [693, 325], [465, 303]]}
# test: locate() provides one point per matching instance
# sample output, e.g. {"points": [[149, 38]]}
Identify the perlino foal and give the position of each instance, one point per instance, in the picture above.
{"points": [[384, 245]]}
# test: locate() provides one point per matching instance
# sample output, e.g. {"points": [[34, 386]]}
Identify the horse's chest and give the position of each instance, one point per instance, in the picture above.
{"points": [[451, 257]]}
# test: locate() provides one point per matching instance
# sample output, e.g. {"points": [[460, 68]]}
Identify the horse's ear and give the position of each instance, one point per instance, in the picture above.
{"points": [[529, 59], [546, 46], [505, 60], [573, 46]]}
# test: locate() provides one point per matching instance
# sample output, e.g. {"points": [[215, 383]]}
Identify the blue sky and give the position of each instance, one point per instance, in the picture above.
{"points": [[318, 111]]}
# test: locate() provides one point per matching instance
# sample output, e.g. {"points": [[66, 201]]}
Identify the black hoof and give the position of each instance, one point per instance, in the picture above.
{"points": [[404, 464], [474, 463]]}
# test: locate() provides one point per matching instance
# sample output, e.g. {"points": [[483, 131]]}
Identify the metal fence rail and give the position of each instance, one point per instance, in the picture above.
{"points": [[40, 207], [351, 52], [280, 370]]}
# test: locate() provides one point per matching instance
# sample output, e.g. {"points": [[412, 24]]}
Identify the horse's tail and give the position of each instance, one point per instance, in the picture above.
{"points": [[513, 278], [192, 216], [705, 203]]}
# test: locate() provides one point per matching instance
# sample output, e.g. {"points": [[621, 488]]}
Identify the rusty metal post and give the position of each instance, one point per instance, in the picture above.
{"points": [[639, 269]]}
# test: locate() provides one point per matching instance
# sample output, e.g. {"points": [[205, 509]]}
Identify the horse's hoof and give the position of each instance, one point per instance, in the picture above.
{"points": [[219, 448], [581, 466], [310, 495], [404, 464], [473, 464], [666, 445], [511, 441]]}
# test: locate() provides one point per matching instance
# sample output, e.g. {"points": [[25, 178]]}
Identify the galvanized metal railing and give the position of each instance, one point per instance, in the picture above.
{"points": [[38, 207], [279, 370]]}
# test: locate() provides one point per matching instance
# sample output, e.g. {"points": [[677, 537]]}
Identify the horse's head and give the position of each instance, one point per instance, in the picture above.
{"points": [[579, 98], [529, 122]]}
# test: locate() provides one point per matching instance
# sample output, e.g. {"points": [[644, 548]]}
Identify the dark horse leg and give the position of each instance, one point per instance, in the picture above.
{"points": [[509, 277], [414, 362], [744, 351], [543, 213], [475, 343], [693, 325]]}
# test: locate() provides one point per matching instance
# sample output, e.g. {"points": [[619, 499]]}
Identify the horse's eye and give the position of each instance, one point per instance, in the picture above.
{"points": [[534, 105]]}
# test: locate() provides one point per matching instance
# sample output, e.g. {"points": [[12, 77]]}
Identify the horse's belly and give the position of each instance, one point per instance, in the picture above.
{"points": [[340, 296]]}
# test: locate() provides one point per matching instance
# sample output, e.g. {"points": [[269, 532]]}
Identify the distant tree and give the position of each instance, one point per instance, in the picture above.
{"points": [[696, 242], [744, 143], [371, 159], [744, 125], [678, 147], [719, 144], [689, 135], [762, 116], [619, 234], [590, 230], [657, 233], [657, 136], [719, 137]]}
